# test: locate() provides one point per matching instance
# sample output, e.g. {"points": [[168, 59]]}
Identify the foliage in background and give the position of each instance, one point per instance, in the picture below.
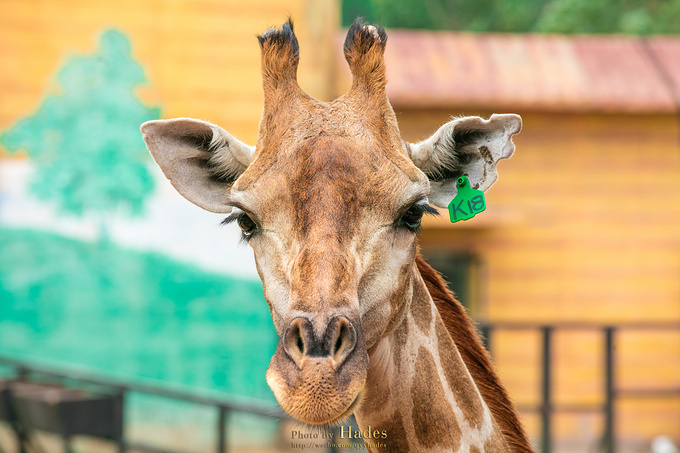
{"points": [[546, 16], [84, 143]]}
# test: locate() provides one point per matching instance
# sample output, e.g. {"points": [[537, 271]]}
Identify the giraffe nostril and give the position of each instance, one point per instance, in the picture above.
{"points": [[300, 344], [296, 338], [343, 336], [338, 344]]}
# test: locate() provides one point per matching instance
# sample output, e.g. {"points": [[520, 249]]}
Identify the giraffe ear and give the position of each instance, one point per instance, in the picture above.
{"points": [[201, 160], [469, 146]]}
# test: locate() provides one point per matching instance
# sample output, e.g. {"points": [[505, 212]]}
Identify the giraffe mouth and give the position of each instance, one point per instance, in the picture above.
{"points": [[316, 392]]}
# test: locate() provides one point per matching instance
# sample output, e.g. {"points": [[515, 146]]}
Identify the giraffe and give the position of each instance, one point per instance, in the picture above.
{"points": [[330, 198]]}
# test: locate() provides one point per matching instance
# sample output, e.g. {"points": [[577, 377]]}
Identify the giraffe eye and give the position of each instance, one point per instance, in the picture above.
{"points": [[247, 225], [412, 218]]}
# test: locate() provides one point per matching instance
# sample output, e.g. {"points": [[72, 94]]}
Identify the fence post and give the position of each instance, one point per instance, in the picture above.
{"points": [[546, 390], [221, 429], [119, 414], [609, 391]]}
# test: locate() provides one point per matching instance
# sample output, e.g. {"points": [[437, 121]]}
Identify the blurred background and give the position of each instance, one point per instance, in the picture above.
{"points": [[150, 312]]}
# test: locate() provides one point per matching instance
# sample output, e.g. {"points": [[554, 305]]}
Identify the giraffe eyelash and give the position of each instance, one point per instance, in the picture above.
{"points": [[235, 214], [231, 218], [425, 209]]}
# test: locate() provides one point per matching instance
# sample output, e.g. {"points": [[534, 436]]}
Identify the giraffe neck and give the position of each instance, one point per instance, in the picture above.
{"points": [[419, 392]]}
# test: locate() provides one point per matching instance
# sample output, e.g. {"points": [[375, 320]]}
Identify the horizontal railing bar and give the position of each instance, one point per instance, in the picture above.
{"points": [[272, 412], [522, 325]]}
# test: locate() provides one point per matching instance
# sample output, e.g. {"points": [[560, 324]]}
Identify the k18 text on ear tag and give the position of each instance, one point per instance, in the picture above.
{"points": [[468, 203]]}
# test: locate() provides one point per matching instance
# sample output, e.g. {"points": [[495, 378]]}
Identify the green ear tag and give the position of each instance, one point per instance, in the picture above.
{"points": [[468, 203]]}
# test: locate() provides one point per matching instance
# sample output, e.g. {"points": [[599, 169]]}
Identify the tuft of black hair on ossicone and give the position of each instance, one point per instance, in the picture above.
{"points": [[281, 37], [359, 37]]}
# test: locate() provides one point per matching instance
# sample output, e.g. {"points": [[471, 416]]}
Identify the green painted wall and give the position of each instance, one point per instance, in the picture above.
{"points": [[131, 314]]}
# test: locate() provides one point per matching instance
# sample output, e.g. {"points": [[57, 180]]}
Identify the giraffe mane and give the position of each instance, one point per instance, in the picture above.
{"points": [[465, 336]]}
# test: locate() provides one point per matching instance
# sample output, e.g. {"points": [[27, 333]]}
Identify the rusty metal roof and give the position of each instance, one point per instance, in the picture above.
{"points": [[538, 72]]}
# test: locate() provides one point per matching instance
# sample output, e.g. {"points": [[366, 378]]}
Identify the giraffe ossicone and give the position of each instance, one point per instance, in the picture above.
{"points": [[330, 198]]}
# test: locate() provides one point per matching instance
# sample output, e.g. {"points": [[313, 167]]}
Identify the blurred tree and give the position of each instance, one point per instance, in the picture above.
{"points": [[638, 17], [549, 16], [473, 15], [84, 143], [578, 16]]}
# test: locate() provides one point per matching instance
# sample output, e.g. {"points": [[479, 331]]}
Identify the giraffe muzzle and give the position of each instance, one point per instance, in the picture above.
{"points": [[336, 342], [317, 374]]}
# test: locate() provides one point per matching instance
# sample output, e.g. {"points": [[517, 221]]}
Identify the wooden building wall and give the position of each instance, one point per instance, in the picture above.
{"points": [[583, 225], [201, 58]]}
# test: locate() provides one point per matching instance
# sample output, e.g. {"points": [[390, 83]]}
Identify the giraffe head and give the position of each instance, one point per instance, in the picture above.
{"points": [[330, 199]]}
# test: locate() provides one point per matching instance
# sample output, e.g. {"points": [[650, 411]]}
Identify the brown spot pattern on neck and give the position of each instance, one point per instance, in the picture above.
{"points": [[463, 389], [397, 441], [464, 335], [433, 419]]}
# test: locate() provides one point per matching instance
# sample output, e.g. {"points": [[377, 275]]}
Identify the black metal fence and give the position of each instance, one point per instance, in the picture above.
{"points": [[547, 408], [118, 391]]}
